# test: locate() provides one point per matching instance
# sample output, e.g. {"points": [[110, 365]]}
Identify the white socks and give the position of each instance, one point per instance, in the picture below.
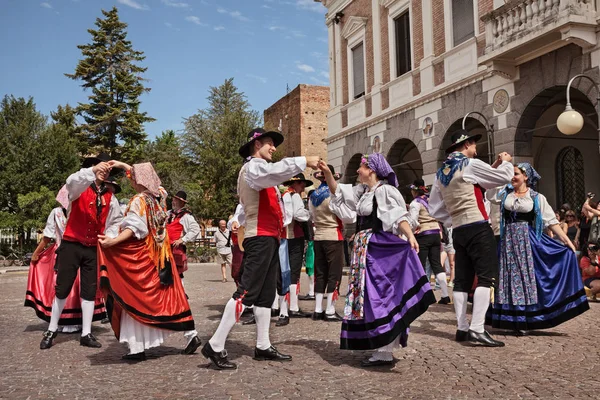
{"points": [[263, 320], [441, 281], [330, 310], [87, 314], [275, 305], [385, 353], [460, 307], [283, 307], [311, 285], [294, 298], [319, 302], [189, 335], [217, 341], [57, 307], [481, 303]]}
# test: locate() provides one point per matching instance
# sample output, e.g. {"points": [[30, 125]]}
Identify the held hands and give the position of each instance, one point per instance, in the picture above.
{"points": [[312, 161], [105, 241], [323, 167], [119, 164], [101, 170]]}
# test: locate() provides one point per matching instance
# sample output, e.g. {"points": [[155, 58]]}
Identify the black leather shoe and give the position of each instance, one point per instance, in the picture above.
{"points": [[247, 311], [90, 340], [192, 346], [335, 317], [445, 300], [219, 359], [250, 321], [274, 312], [461, 336], [306, 297], [282, 321], [270, 354], [135, 357], [46, 342], [375, 363], [484, 339], [521, 332], [318, 316], [299, 314]]}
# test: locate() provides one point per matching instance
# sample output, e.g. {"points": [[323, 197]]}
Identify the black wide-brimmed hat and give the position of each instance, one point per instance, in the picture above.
{"points": [[419, 184], [112, 181], [181, 195], [459, 137], [258, 133], [298, 178], [102, 157], [319, 174]]}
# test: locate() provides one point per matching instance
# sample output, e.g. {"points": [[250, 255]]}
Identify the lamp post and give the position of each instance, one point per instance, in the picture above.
{"points": [[570, 121], [489, 129]]}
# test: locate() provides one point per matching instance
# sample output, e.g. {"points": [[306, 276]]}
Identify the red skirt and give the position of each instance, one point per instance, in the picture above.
{"points": [[40, 292], [130, 282]]}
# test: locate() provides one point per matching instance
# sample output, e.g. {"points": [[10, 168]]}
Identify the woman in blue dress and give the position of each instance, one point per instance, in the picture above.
{"points": [[539, 285]]}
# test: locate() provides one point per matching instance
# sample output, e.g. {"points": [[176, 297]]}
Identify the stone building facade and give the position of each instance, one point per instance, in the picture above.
{"points": [[405, 73], [301, 116]]}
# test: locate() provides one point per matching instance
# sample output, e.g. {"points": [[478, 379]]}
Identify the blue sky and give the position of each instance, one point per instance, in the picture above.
{"points": [[189, 45]]}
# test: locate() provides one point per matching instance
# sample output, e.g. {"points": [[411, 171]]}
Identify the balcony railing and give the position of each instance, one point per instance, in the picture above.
{"points": [[519, 23]]}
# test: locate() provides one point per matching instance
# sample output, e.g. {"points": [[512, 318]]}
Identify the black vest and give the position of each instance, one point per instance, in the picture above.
{"points": [[371, 221]]}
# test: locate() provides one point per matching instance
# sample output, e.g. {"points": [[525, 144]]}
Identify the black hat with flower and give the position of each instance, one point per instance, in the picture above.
{"points": [[254, 135]]}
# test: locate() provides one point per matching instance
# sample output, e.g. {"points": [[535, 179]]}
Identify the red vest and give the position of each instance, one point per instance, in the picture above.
{"points": [[270, 218], [84, 225], [174, 229]]}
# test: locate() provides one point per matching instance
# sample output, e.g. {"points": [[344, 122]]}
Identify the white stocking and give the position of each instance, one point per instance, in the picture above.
{"points": [[57, 307], [217, 341], [481, 303], [318, 302], [460, 307], [263, 321]]}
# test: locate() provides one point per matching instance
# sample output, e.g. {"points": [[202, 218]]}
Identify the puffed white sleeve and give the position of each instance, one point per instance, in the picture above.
{"points": [[482, 174], [79, 181], [114, 218], [494, 195], [413, 214], [300, 212], [344, 201], [391, 208], [135, 219], [548, 215], [239, 216], [50, 228], [261, 174], [437, 208], [288, 209], [190, 227]]}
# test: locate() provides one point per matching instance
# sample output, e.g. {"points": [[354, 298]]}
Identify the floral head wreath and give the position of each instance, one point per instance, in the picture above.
{"points": [[365, 159], [423, 188]]}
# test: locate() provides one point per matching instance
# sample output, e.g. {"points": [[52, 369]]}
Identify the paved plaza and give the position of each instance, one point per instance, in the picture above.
{"points": [[559, 363]]}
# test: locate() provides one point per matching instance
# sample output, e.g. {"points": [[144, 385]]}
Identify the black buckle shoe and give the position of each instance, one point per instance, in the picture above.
{"points": [[306, 297], [270, 354], [89, 340], [192, 345], [484, 339], [445, 300], [250, 321], [299, 314], [461, 336], [318, 316], [335, 317], [282, 321], [135, 357], [219, 359], [46, 342], [375, 363]]}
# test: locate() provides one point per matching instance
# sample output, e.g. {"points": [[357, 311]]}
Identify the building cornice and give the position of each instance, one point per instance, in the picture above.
{"points": [[333, 7], [353, 25]]}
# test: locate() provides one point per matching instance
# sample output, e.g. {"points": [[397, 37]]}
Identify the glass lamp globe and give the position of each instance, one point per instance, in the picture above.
{"points": [[569, 122]]}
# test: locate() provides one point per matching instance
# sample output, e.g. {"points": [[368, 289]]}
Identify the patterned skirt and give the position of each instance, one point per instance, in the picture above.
{"points": [[539, 283], [387, 291]]}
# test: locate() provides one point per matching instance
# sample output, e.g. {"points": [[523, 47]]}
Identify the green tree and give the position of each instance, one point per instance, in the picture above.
{"points": [[66, 117], [113, 121], [211, 140]]}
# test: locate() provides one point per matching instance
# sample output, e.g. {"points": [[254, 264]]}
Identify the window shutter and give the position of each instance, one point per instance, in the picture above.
{"points": [[463, 25], [358, 70], [403, 51]]}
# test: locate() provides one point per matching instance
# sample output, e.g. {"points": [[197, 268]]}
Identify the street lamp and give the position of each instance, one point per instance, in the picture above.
{"points": [[570, 121], [489, 129]]}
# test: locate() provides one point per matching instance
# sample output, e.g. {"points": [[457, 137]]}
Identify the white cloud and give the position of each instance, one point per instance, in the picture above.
{"points": [[298, 34], [219, 28], [323, 40], [194, 19], [324, 74], [176, 4], [305, 68], [267, 7], [234, 14], [319, 81], [133, 4], [275, 28], [258, 78], [46, 5], [311, 5]]}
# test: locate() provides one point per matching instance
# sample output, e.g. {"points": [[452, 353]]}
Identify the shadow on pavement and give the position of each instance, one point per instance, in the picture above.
{"points": [[112, 352]]}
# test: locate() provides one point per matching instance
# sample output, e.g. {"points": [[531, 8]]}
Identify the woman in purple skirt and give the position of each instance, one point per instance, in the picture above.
{"points": [[387, 289]]}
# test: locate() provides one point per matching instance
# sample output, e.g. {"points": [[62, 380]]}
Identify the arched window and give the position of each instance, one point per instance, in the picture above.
{"points": [[570, 178]]}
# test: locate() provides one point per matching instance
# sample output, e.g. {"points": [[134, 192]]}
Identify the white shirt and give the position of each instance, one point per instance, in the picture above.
{"points": [[349, 201], [261, 174], [239, 216], [294, 209], [475, 172], [78, 182], [134, 220], [524, 204], [55, 225], [221, 239], [191, 229]]}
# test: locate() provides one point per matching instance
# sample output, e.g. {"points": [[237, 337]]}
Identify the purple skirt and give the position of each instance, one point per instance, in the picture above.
{"points": [[396, 292]]}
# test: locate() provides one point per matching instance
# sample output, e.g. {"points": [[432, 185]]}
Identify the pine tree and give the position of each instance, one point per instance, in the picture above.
{"points": [[211, 140], [113, 121]]}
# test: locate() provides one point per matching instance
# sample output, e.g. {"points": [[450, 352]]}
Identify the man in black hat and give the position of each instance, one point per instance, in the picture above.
{"points": [[295, 216], [457, 200], [182, 228], [93, 211], [261, 202]]}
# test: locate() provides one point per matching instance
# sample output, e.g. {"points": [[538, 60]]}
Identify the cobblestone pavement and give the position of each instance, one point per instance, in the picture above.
{"points": [[559, 363]]}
